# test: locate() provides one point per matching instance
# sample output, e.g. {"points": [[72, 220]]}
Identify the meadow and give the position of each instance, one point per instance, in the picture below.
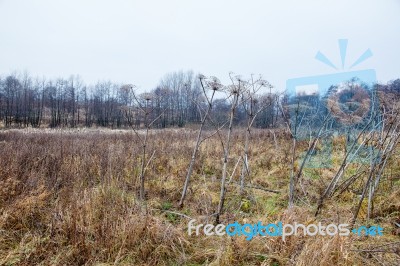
{"points": [[70, 197]]}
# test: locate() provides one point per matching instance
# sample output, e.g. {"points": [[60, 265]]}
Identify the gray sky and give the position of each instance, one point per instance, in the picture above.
{"points": [[140, 41]]}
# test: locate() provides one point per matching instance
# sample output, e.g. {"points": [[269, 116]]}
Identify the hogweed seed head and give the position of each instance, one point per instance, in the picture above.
{"points": [[234, 89], [127, 87], [214, 84], [147, 96], [264, 83], [201, 77]]}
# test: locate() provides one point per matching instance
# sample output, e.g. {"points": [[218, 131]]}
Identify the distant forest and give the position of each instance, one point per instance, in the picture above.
{"points": [[177, 102]]}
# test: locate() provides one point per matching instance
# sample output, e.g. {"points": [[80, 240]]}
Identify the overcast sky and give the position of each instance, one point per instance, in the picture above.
{"points": [[140, 41]]}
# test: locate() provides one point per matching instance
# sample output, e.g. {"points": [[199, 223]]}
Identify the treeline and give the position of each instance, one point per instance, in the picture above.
{"points": [[177, 100]]}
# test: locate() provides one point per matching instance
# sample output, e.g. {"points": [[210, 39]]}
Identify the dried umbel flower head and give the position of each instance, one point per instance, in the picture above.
{"points": [[241, 82], [234, 89], [215, 84], [127, 87], [147, 96], [201, 77], [264, 83]]}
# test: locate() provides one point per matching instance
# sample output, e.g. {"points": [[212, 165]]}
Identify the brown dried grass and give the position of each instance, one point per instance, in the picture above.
{"points": [[70, 198]]}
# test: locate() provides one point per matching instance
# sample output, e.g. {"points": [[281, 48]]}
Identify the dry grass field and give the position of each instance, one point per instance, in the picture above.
{"points": [[69, 197]]}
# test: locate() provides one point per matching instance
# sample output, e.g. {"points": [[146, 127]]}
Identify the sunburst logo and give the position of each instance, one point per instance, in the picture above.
{"points": [[343, 52], [313, 85], [349, 102]]}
